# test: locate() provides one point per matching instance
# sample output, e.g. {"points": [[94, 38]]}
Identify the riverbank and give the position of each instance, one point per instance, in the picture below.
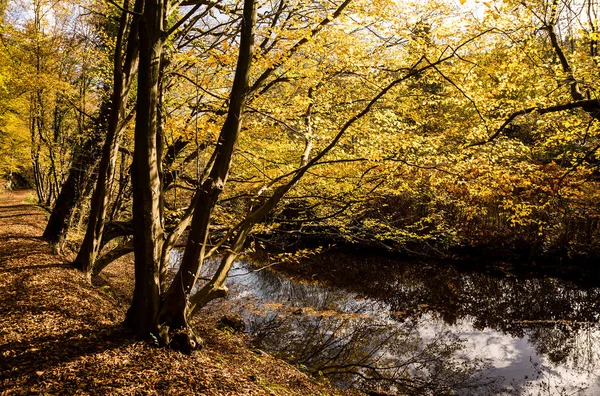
{"points": [[341, 265], [61, 335], [490, 255]]}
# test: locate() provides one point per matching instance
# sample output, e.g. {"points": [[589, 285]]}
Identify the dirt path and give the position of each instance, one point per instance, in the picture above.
{"points": [[61, 335]]}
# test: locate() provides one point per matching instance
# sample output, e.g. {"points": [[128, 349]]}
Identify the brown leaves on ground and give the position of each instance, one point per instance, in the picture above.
{"points": [[61, 335]]}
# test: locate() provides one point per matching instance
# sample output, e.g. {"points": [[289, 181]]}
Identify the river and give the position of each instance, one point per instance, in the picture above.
{"points": [[429, 330]]}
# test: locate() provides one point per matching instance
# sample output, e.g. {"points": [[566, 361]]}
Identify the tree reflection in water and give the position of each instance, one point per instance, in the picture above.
{"points": [[559, 318], [356, 343], [428, 330]]}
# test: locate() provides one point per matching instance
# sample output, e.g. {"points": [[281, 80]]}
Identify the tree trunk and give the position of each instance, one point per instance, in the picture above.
{"points": [[174, 310], [123, 77], [71, 192], [148, 233], [216, 288]]}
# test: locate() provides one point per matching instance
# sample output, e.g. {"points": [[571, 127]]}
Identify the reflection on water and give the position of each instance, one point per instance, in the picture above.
{"points": [[428, 330], [545, 329]]}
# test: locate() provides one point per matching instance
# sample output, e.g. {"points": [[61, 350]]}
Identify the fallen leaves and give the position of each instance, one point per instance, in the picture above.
{"points": [[61, 335]]}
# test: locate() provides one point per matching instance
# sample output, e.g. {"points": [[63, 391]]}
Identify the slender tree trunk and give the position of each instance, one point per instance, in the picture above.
{"points": [[174, 310], [148, 233], [216, 288], [72, 191], [82, 208], [79, 181], [123, 76], [124, 184], [35, 160]]}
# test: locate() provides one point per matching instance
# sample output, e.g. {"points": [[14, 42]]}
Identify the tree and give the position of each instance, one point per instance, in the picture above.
{"points": [[124, 68], [409, 134], [45, 61], [148, 232], [92, 125], [174, 311]]}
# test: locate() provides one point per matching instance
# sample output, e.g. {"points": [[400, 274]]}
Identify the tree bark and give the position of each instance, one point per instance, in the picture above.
{"points": [[148, 233]]}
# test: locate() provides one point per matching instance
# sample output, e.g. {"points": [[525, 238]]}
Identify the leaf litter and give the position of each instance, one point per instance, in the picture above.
{"points": [[61, 335]]}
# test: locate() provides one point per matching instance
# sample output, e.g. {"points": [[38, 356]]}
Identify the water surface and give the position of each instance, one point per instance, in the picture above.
{"points": [[428, 330]]}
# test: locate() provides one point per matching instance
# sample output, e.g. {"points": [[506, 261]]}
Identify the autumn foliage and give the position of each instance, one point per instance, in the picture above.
{"points": [[433, 128]]}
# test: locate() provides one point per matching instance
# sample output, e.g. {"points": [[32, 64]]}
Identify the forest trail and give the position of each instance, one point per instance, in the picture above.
{"points": [[61, 335]]}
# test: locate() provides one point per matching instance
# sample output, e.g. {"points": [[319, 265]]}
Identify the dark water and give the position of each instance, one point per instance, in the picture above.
{"points": [[428, 331]]}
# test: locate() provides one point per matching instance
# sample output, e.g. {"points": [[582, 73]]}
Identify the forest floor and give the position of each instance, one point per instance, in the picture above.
{"points": [[61, 335]]}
